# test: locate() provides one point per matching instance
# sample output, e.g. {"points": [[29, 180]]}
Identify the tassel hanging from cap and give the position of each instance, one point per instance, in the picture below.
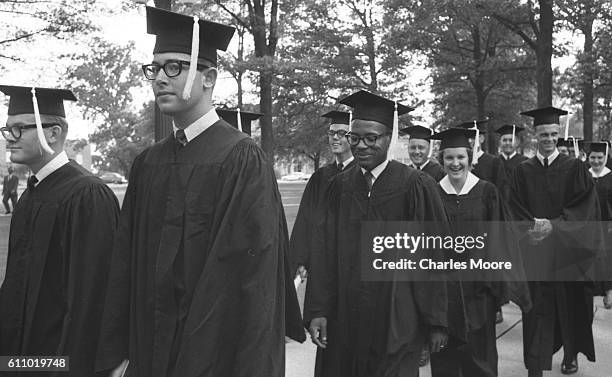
{"points": [[566, 127], [39, 129], [394, 135], [193, 61], [350, 117], [431, 145], [513, 134], [239, 120], [476, 144], [576, 150]]}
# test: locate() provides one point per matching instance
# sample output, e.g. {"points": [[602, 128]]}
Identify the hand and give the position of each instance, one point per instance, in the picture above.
{"points": [[318, 331], [607, 300], [541, 229], [301, 272], [120, 370], [438, 339]]}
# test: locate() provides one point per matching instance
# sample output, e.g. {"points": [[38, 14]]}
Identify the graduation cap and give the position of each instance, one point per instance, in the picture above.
{"points": [[596, 146], [480, 124], [188, 35], [509, 129], [338, 117], [545, 115], [417, 132], [454, 137], [369, 106], [33, 100], [564, 143], [239, 119]]}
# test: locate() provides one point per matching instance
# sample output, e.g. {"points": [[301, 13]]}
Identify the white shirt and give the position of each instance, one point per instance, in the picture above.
{"points": [[509, 157], [51, 166], [469, 184], [377, 170], [419, 167], [346, 162], [603, 173], [551, 158], [200, 125]]}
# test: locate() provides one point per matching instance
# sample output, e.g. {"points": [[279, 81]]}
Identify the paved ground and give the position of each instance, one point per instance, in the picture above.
{"points": [[300, 357]]}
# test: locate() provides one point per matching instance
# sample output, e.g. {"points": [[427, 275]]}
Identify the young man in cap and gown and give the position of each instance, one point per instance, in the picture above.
{"points": [[311, 213], [508, 142], [555, 195], [420, 149], [59, 242], [200, 284], [372, 328], [563, 146]]}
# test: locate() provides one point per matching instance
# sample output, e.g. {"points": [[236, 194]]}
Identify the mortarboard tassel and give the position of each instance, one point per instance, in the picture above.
{"points": [[431, 144], [193, 61], [39, 129], [513, 134], [476, 144], [350, 117], [239, 120], [566, 127], [576, 150], [394, 135]]}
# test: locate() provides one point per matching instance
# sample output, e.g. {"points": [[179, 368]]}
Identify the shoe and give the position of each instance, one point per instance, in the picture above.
{"points": [[424, 360], [569, 367], [499, 317]]}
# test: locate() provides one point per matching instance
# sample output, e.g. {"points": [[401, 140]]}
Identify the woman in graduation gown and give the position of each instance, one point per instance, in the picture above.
{"points": [[603, 184], [475, 206]]}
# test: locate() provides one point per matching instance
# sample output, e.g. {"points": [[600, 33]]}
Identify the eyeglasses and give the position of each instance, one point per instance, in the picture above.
{"points": [[339, 133], [369, 140], [172, 68], [14, 132]]}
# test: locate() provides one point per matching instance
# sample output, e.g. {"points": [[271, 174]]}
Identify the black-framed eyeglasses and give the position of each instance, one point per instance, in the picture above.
{"points": [[339, 133], [369, 140], [15, 132], [172, 68]]}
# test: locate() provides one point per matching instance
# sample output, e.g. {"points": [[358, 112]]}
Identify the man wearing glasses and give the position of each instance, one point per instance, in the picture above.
{"points": [[312, 210], [60, 237], [372, 328], [200, 282]]}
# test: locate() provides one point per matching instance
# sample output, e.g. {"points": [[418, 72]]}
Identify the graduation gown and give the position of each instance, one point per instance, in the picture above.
{"points": [[491, 168], [562, 311], [603, 185], [512, 163], [473, 304], [311, 214], [373, 327], [200, 274], [435, 170], [57, 270]]}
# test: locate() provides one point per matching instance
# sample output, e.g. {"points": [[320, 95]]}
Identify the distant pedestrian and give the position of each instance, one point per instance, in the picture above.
{"points": [[9, 190]]}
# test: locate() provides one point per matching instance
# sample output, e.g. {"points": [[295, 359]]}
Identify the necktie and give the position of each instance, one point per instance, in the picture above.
{"points": [[180, 137], [369, 177], [340, 166], [545, 162], [32, 181]]}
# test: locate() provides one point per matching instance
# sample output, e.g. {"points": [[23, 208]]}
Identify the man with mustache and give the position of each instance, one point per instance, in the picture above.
{"points": [[60, 239], [200, 282], [372, 328]]}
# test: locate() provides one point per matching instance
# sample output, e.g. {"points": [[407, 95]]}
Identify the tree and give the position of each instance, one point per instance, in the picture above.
{"points": [[103, 80]]}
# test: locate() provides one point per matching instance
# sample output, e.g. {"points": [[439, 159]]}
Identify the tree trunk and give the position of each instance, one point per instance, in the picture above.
{"points": [[588, 64], [265, 106], [544, 54], [317, 161]]}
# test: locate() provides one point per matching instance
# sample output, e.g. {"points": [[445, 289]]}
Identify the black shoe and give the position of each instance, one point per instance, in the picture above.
{"points": [[569, 367], [499, 317]]}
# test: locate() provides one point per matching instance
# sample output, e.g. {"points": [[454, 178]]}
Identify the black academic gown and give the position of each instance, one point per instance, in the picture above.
{"points": [[374, 328], [472, 350], [603, 185], [200, 280], [57, 271], [435, 170], [311, 214], [562, 311], [511, 164], [491, 169]]}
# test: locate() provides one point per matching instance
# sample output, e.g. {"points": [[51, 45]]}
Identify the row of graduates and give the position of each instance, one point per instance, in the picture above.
{"points": [[191, 277], [365, 328]]}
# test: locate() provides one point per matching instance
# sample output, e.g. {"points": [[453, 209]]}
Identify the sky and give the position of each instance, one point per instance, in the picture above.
{"points": [[41, 66]]}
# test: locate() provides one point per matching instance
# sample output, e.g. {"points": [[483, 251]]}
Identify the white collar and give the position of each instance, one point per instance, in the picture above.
{"points": [[200, 125], [51, 166], [508, 157], [469, 184], [377, 170], [551, 158], [604, 172], [479, 153], [346, 162], [421, 167]]}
